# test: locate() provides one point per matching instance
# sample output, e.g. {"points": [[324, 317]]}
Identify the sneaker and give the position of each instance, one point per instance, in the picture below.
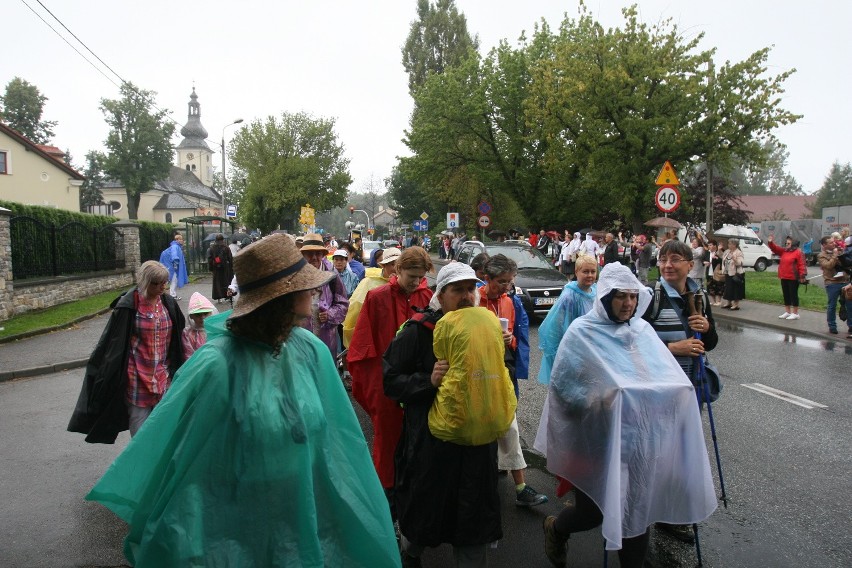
{"points": [[784, 316], [832, 331], [682, 533], [793, 317], [529, 497], [555, 545]]}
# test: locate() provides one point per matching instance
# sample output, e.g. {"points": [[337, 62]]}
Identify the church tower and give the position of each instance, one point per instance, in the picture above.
{"points": [[194, 155]]}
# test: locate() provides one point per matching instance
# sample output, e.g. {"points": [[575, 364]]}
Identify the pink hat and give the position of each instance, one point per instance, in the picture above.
{"points": [[198, 304]]}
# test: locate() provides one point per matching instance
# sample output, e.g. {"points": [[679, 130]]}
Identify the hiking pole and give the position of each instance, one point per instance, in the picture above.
{"points": [[697, 545], [698, 308]]}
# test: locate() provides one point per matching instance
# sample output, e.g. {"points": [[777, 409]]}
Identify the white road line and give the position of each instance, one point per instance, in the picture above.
{"points": [[791, 398]]}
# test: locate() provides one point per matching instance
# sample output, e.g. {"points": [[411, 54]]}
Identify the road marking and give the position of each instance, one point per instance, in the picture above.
{"points": [[791, 398]]}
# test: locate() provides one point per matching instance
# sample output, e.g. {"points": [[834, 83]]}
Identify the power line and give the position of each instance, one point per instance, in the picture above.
{"points": [[125, 83], [98, 69]]}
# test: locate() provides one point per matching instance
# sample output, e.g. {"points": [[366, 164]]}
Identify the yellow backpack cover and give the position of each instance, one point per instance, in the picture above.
{"points": [[476, 402]]}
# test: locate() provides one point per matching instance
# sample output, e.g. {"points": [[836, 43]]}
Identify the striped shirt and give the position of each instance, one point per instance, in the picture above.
{"points": [[148, 363]]}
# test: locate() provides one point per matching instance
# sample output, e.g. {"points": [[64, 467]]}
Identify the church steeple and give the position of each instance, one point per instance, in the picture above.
{"points": [[193, 152]]}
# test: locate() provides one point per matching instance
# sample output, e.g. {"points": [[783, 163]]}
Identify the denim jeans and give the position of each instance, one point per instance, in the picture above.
{"points": [[834, 292]]}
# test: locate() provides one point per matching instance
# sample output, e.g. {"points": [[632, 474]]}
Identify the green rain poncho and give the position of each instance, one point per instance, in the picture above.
{"points": [[251, 461]]}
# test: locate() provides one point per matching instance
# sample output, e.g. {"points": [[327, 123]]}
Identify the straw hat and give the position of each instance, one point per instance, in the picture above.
{"points": [[391, 254], [313, 241], [272, 267]]}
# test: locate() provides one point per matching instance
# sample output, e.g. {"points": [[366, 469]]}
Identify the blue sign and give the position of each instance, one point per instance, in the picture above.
{"points": [[231, 211], [420, 225], [484, 208]]}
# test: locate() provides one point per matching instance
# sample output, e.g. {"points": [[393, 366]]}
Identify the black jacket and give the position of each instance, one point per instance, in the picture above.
{"points": [[445, 492], [611, 252], [101, 411]]}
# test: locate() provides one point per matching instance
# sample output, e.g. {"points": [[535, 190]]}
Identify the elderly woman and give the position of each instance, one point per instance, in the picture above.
{"points": [[622, 427], [791, 271], [134, 361], [256, 457], [732, 264]]}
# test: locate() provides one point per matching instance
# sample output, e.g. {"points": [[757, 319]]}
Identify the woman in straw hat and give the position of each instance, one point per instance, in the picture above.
{"points": [[255, 457]]}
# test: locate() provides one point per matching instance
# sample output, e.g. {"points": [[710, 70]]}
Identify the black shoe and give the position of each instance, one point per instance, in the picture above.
{"points": [[682, 533], [832, 331]]}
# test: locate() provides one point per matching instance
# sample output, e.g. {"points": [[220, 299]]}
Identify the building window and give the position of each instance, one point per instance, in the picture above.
{"points": [[3, 168], [168, 217], [193, 167], [187, 167]]}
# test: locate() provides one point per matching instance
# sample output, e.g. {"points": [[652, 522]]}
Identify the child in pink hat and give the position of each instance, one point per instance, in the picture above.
{"points": [[195, 335]]}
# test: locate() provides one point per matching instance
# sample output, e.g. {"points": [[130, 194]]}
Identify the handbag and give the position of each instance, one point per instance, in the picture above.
{"points": [[738, 278]]}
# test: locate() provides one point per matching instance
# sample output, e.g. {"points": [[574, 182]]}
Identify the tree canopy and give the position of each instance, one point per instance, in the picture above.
{"points": [[836, 190], [438, 39], [572, 126], [139, 143], [21, 107], [281, 164], [90, 191]]}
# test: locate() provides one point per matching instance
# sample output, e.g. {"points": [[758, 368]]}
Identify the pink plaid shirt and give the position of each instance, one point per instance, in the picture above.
{"points": [[148, 364]]}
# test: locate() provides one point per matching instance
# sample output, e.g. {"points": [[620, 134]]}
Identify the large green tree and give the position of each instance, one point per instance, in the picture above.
{"points": [[21, 107], [836, 190], [617, 103], [285, 163], [438, 39], [139, 143]]}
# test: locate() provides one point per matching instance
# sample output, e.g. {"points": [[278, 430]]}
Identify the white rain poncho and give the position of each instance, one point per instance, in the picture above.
{"points": [[622, 423]]}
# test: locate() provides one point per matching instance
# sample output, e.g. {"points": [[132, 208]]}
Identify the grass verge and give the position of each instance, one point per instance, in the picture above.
{"points": [[57, 316]]}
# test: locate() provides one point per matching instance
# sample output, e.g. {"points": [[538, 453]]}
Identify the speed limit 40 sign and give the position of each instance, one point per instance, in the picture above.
{"points": [[667, 198]]}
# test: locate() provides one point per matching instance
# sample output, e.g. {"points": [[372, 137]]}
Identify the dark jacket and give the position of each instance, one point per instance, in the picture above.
{"points": [[611, 252], [223, 271], [101, 411], [445, 492]]}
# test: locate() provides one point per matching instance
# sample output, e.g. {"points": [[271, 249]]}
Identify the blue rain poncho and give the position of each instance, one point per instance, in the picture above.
{"points": [[573, 302], [622, 424], [251, 460]]}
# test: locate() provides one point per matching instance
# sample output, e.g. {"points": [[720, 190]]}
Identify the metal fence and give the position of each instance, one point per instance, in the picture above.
{"points": [[153, 241], [40, 250]]}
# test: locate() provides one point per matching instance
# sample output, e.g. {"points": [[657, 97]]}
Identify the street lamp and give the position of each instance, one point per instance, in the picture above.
{"points": [[224, 178]]}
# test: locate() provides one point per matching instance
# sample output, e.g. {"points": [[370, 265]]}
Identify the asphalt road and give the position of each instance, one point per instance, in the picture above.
{"points": [[786, 469]]}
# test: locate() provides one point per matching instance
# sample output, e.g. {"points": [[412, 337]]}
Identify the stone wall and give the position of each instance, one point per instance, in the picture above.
{"points": [[45, 293], [5, 265]]}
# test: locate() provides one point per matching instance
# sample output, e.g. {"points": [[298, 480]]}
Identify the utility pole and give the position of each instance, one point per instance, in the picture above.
{"points": [[712, 116]]}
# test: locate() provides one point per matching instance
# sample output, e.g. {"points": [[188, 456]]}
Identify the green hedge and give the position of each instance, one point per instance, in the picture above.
{"points": [[57, 217]]}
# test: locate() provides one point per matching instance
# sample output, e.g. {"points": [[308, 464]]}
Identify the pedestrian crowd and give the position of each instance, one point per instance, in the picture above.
{"points": [[245, 448]]}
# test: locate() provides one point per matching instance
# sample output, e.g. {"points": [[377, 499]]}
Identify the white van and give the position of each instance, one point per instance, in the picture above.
{"points": [[755, 253]]}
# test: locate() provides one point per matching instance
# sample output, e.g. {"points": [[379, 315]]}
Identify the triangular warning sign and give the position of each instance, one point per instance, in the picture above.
{"points": [[667, 175]]}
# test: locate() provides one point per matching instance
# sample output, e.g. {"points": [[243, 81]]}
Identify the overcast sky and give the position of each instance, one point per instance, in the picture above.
{"points": [[341, 59]]}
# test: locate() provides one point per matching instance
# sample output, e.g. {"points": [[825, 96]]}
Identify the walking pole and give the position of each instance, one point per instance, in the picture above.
{"points": [[697, 545], [705, 391], [606, 558]]}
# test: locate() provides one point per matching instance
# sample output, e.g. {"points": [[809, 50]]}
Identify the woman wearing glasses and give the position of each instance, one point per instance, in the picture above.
{"points": [[134, 361]]}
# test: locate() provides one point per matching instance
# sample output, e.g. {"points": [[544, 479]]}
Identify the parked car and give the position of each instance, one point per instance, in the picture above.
{"points": [[367, 248], [538, 283]]}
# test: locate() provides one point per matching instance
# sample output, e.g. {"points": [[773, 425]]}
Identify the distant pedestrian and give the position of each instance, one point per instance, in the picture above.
{"points": [[610, 251], [220, 263], [543, 243], [173, 259], [340, 259], [700, 260], [792, 271], [194, 336], [136, 357], [716, 274], [732, 264]]}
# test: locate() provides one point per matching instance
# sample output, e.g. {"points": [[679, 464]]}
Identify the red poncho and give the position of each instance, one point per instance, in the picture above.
{"points": [[385, 309]]}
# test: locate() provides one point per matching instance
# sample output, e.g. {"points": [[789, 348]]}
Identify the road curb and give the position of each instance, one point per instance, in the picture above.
{"points": [[777, 327], [43, 370], [44, 330]]}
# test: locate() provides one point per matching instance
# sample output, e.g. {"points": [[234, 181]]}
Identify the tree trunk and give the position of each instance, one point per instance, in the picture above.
{"points": [[133, 205]]}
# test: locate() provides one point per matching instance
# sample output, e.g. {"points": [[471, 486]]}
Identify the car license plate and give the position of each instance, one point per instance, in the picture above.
{"points": [[545, 301]]}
